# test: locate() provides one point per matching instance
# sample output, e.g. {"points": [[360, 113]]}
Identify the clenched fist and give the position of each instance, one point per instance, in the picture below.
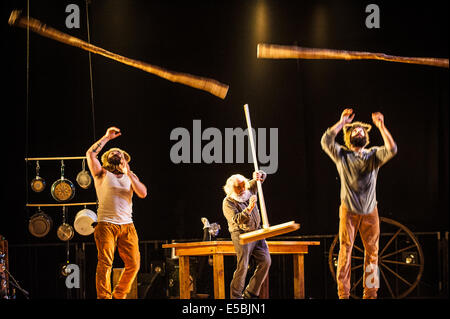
{"points": [[252, 203], [347, 117], [378, 119], [112, 132]]}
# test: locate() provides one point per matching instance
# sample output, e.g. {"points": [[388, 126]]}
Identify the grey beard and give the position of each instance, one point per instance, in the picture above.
{"points": [[241, 198]]}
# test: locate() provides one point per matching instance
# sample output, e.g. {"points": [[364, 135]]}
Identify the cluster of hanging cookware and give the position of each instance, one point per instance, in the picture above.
{"points": [[62, 190]]}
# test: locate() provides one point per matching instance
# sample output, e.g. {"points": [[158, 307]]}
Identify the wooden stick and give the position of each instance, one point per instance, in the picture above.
{"points": [[209, 85], [272, 51], [262, 203], [58, 205], [54, 158], [266, 231]]}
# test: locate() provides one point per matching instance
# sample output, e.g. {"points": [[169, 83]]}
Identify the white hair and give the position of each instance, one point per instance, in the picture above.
{"points": [[229, 185]]}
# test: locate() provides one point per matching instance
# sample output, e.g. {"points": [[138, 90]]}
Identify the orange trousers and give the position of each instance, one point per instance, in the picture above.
{"points": [[108, 236], [369, 229]]}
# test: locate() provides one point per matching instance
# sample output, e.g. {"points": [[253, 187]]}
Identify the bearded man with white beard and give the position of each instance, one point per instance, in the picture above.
{"points": [[240, 209]]}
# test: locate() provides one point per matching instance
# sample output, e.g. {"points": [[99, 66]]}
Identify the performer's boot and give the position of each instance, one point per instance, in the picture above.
{"points": [[248, 295]]}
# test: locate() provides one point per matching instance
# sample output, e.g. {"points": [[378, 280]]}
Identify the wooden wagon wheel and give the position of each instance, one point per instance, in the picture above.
{"points": [[400, 261]]}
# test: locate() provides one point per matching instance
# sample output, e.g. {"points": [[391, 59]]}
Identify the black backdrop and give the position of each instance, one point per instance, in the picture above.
{"points": [[217, 39]]}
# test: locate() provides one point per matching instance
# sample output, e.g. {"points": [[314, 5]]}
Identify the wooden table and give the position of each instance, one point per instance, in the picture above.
{"points": [[218, 249]]}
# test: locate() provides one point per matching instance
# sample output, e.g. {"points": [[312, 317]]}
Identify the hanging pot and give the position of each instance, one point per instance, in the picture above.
{"points": [[63, 190], [65, 232], [84, 179], [38, 183], [83, 222], [40, 224]]}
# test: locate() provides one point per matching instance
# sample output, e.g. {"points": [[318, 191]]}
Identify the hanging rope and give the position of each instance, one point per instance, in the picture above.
{"points": [[27, 103], [90, 70]]}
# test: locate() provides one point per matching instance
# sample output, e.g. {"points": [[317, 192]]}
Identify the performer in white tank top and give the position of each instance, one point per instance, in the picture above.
{"points": [[114, 196], [114, 184]]}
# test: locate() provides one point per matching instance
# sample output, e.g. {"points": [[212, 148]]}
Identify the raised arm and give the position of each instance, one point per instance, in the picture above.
{"points": [[257, 176], [389, 143], [346, 118], [328, 138], [91, 154]]}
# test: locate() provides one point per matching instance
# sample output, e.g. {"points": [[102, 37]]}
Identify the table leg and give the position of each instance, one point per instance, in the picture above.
{"points": [[299, 277], [185, 282], [219, 282]]}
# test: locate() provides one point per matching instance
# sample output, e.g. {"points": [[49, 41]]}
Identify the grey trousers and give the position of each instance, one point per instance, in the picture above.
{"points": [[260, 252]]}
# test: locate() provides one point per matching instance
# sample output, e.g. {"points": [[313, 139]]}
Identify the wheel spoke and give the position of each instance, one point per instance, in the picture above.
{"points": [[387, 283], [400, 263], [390, 241], [356, 284], [396, 275], [357, 257], [356, 267], [398, 251], [353, 257], [358, 248]]}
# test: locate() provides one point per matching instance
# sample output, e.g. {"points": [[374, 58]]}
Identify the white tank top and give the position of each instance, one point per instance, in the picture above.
{"points": [[115, 199]]}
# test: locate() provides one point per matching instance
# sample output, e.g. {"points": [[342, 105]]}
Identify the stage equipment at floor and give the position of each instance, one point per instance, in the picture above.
{"points": [[209, 85], [4, 286], [8, 284], [266, 230], [209, 230], [146, 281]]}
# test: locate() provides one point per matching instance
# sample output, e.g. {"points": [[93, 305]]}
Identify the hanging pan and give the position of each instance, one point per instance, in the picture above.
{"points": [[40, 224], [84, 178], [38, 183], [63, 189], [65, 232]]}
